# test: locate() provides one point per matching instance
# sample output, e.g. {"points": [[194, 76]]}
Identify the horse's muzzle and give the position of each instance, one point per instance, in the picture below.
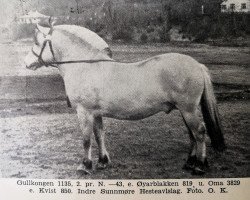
{"points": [[32, 67]]}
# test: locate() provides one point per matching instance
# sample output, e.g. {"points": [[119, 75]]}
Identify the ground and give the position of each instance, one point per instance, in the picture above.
{"points": [[40, 135]]}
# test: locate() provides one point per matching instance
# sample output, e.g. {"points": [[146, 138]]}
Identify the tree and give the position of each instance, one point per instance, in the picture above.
{"points": [[166, 16]]}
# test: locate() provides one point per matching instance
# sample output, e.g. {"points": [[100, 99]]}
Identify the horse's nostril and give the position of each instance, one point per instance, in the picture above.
{"points": [[28, 66]]}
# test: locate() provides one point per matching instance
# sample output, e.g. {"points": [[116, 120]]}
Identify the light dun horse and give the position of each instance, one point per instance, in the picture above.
{"points": [[98, 86]]}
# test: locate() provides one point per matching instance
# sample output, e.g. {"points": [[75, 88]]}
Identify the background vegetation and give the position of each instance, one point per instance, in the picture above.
{"points": [[145, 20]]}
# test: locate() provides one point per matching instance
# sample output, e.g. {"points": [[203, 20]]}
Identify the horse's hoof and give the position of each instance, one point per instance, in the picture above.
{"points": [[200, 167], [198, 171], [83, 170], [101, 166], [188, 167], [190, 164], [104, 160]]}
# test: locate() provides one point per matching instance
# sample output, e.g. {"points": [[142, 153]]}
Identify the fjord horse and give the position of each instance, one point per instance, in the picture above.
{"points": [[98, 87]]}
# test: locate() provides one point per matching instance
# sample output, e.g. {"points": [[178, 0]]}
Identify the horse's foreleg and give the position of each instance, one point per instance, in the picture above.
{"points": [[99, 136], [197, 128], [86, 125]]}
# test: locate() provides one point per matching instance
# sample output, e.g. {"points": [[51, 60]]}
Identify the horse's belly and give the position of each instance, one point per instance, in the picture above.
{"points": [[136, 113]]}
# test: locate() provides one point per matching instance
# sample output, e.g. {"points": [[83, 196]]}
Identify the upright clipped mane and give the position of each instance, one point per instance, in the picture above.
{"points": [[86, 36]]}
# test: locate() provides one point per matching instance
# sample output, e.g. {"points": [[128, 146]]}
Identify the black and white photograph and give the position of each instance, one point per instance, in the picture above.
{"points": [[124, 89]]}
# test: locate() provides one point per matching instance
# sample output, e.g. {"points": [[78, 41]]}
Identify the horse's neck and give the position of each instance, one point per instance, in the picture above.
{"points": [[67, 67], [71, 52]]}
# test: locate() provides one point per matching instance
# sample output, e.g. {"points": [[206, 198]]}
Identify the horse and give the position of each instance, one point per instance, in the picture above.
{"points": [[98, 86]]}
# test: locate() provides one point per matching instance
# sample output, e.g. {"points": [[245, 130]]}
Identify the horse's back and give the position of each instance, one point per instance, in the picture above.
{"points": [[172, 66], [179, 75], [167, 60]]}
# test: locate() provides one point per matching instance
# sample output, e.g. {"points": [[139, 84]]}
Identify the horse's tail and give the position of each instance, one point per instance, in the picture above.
{"points": [[210, 114]]}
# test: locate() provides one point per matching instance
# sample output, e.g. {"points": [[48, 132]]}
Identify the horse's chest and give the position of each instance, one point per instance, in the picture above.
{"points": [[80, 90]]}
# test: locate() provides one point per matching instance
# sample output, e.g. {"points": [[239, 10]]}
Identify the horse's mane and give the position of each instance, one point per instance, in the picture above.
{"points": [[85, 35]]}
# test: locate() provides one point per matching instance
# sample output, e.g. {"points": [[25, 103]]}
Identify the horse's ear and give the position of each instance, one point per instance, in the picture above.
{"points": [[52, 21], [43, 29], [51, 24]]}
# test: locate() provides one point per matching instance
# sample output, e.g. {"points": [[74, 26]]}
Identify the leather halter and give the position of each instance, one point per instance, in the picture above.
{"points": [[54, 63], [39, 56]]}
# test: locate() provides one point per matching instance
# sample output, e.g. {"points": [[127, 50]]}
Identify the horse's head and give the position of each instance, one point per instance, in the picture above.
{"points": [[41, 53], [64, 43]]}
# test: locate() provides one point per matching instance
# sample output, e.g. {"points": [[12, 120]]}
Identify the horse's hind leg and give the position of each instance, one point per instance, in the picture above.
{"points": [[191, 161], [197, 128], [86, 125], [99, 136]]}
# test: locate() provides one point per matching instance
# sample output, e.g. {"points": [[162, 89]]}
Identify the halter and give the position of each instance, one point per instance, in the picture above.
{"points": [[39, 56], [54, 63]]}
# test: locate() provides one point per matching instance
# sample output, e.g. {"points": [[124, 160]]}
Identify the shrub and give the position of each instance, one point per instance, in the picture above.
{"points": [[123, 34], [144, 38]]}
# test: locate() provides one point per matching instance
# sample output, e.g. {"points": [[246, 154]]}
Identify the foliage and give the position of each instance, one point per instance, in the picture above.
{"points": [[147, 20]]}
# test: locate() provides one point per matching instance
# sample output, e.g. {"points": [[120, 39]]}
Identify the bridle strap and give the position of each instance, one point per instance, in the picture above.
{"points": [[79, 61], [40, 59]]}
